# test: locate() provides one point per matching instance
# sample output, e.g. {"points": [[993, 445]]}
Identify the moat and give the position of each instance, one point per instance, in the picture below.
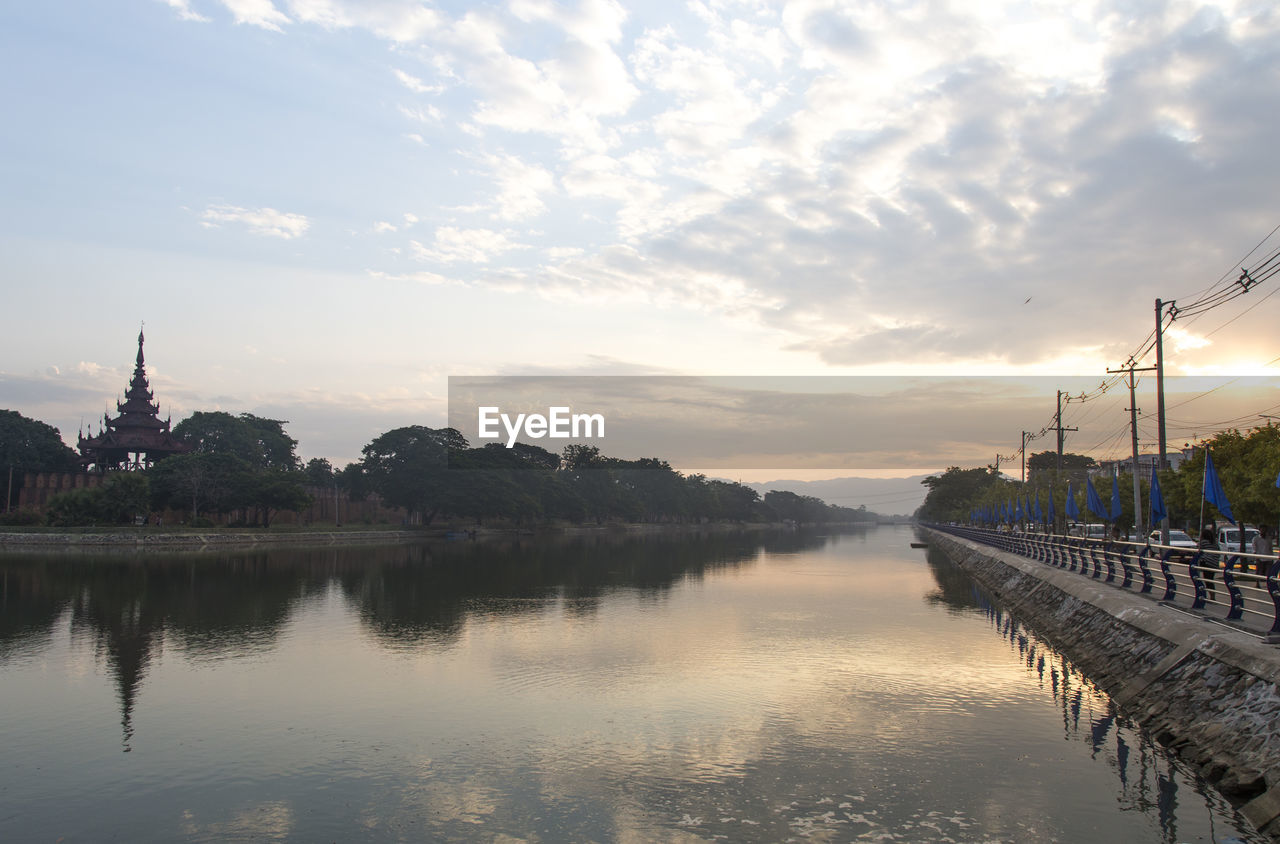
{"points": [[756, 687]]}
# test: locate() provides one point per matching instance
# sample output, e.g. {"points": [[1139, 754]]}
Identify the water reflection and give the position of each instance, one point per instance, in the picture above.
{"points": [[1151, 788], [233, 605], [748, 686]]}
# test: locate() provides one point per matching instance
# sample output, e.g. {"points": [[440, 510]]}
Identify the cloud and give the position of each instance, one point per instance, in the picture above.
{"points": [[520, 187], [266, 221], [452, 245], [399, 21], [421, 114], [184, 10], [261, 13], [881, 182], [714, 104], [415, 84], [419, 277]]}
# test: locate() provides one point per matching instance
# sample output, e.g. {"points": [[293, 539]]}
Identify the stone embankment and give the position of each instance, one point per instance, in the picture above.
{"points": [[1205, 690]]}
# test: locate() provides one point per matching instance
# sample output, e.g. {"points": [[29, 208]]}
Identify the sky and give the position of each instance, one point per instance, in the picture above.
{"points": [[322, 209]]}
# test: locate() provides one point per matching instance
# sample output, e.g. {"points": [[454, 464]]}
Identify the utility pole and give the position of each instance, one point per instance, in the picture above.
{"points": [[1057, 426], [1133, 434], [1024, 458], [1164, 457]]}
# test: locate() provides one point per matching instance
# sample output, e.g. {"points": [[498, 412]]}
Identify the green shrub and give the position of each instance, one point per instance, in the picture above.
{"points": [[22, 517]]}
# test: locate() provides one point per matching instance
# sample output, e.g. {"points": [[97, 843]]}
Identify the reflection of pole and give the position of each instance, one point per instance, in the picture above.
{"points": [[8, 499], [336, 522]]}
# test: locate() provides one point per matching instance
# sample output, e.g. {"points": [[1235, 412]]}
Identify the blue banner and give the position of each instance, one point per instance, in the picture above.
{"points": [[1213, 492], [1094, 501], [1158, 511], [1116, 507], [1073, 509]]}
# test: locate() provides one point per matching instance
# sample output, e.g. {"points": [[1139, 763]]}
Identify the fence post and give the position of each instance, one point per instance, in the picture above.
{"points": [[1197, 580], [1237, 597], [1273, 589]]}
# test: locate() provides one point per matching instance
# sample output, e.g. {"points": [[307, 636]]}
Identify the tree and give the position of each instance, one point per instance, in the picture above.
{"points": [[202, 480], [257, 467], [955, 492], [353, 480], [1247, 466], [275, 490], [29, 445], [407, 467], [1042, 467], [261, 443], [318, 472], [121, 499]]}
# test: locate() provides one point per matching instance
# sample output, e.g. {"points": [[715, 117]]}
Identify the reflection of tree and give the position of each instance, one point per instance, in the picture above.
{"points": [[209, 606], [29, 607], [957, 591], [424, 594], [200, 603]]}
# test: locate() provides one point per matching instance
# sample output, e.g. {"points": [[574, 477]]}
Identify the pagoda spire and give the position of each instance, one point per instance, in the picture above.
{"points": [[136, 437]]}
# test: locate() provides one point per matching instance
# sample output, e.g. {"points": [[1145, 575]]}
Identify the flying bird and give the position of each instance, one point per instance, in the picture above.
{"points": [[1028, 300]]}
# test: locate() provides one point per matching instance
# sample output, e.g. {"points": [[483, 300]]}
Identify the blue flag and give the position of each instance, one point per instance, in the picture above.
{"points": [[1116, 507], [1053, 517], [1094, 501], [1278, 481], [1017, 509], [1158, 511], [1213, 492], [1073, 509], [1039, 512]]}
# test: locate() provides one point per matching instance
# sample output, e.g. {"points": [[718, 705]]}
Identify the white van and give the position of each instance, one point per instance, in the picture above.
{"points": [[1092, 531], [1229, 538]]}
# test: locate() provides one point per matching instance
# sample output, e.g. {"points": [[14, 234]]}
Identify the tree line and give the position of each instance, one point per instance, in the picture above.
{"points": [[1248, 465], [246, 468]]}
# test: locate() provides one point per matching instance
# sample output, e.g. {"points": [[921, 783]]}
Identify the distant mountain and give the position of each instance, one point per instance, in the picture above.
{"points": [[886, 496]]}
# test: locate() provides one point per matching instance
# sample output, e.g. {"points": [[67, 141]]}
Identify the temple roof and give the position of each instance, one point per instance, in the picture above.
{"points": [[138, 428]]}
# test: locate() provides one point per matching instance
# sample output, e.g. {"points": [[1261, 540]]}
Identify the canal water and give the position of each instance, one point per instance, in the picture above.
{"points": [[740, 687]]}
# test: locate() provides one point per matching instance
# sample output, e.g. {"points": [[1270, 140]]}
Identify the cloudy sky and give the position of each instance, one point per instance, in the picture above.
{"points": [[323, 208]]}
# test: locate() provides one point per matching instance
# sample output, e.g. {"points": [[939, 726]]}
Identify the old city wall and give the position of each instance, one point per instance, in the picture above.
{"points": [[33, 490]]}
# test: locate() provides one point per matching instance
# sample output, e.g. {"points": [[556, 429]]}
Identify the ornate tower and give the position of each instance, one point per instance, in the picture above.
{"points": [[136, 438]]}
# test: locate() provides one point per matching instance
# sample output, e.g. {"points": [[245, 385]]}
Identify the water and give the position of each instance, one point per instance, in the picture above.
{"points": [[741, 687]]}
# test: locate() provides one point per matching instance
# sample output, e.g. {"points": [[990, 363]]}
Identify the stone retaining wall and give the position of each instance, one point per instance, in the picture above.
{"points": [[1204, 690]]}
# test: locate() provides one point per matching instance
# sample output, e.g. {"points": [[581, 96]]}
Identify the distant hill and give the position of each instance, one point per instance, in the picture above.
{"points": [[886, 496]]}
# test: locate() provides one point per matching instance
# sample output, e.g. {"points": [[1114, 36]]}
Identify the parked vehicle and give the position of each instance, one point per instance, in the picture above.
{"points": [[1229, 538], [1091, 531], [1177, 538]]}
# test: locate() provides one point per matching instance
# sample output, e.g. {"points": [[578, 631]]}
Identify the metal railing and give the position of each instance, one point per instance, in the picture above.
{"points": [[1237, 587]]}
